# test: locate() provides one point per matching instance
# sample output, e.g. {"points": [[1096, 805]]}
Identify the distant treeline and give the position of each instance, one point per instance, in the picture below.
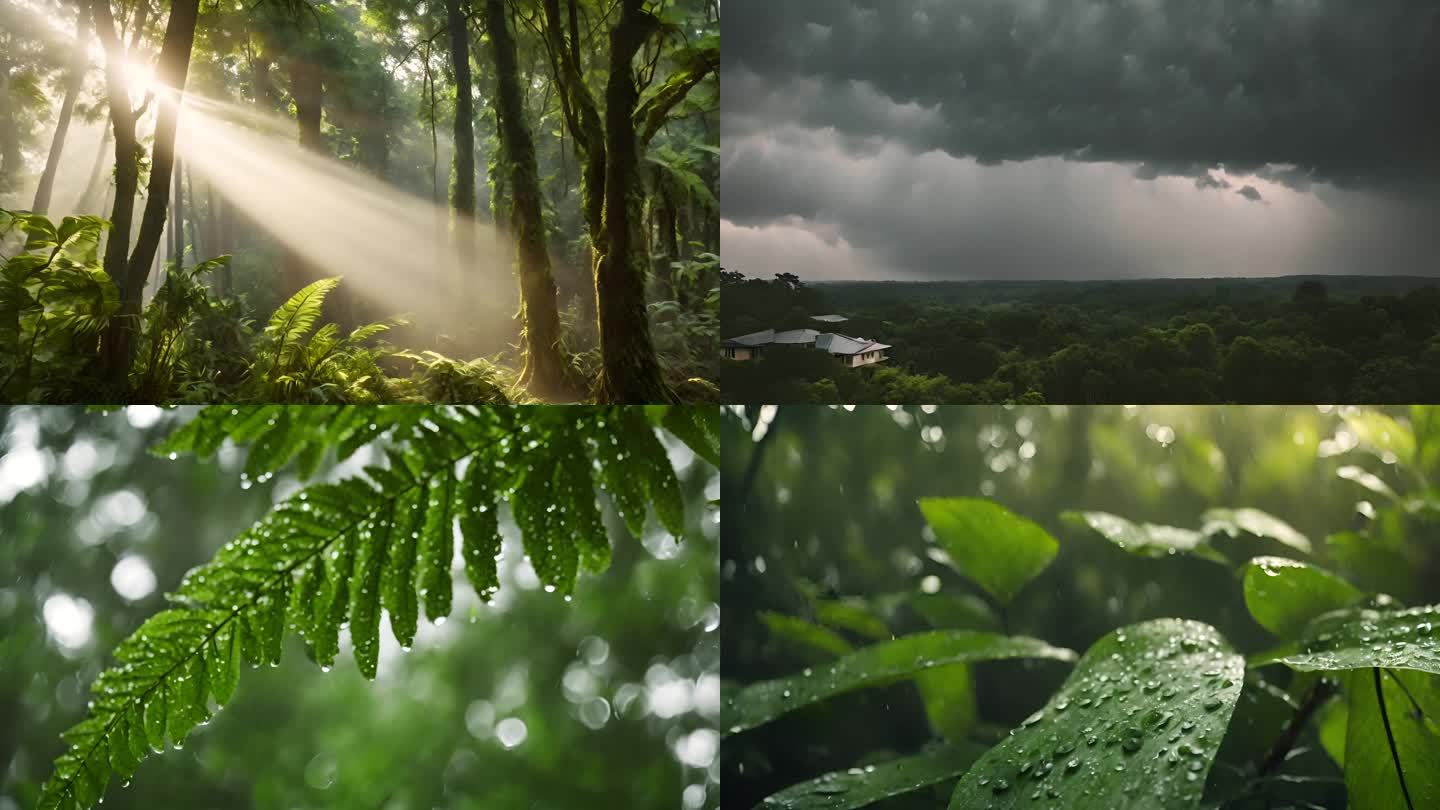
{"points": [[1350, 339]]}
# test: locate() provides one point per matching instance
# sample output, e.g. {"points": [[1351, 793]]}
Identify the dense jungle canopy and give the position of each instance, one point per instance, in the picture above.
{"points": [[358, 200]]}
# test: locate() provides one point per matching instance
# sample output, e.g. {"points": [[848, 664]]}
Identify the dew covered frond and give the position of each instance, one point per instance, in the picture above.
{"points": [[383, 541]]}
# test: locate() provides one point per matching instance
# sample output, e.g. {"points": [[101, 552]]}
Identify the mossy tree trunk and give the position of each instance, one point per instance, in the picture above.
{"points": [[544, 367], [462, 175], [630, 372]]}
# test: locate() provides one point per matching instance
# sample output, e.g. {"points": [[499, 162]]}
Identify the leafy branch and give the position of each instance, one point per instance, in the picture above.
{"points": [[392, 549]]}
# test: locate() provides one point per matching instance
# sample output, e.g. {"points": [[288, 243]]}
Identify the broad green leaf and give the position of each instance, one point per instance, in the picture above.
{"points": [[1136, 725], [1371, 563], [370, 555], [1284, 595], [955, 611], [991, 545], [950, 701], [1234, 522], [437, 550], [1332, 721], [1367, 479], [859, 787], [480, 536], [1360, 638], [1382, 434], [1145, 539], [1373, 770], [852, 615], [877, 665], [806, 633], [698, 428]]}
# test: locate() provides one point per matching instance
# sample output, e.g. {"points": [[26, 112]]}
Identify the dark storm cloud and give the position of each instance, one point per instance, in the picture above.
{"points": [[1080, 138], [1333, 90]]}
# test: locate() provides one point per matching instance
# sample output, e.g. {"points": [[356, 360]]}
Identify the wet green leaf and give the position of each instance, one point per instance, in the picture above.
{"points": [[1136, 725], [1284, 595], [1235, 522], [806, 634], [1382, 434], [991, 545], [1145, 539], [1332, 722], [877, 665], [862, 786], [950, 700], [852, 615], [1359, 638], [955, 611], [1373, 777]]}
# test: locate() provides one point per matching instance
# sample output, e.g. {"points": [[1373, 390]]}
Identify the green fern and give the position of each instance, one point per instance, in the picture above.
{"points": [[346, 551], [294, 365]]}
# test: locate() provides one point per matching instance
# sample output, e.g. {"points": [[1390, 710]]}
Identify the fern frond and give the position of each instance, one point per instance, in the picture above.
{"points": [[378, 543], [296, 317]]}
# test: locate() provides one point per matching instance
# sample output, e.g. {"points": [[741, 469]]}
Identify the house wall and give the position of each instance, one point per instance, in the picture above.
{"points": [[738, 353], [866, 359]]}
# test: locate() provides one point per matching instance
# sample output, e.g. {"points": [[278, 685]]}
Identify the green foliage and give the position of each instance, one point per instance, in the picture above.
{"points": [[1372, 340], [1333, 703], [1145, 539], [54, 303], [295, 362], [1284, 595], [1136, 725], [344, 552], [1238, 522], [1365, 637], [860, 787], [1392, 743], [877, 665], [996, 548]]}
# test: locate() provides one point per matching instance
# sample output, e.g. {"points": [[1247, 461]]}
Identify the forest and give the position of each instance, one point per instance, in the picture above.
{"points": [[1149, 606], [359, 201], [286, 644], [1285, 340]]}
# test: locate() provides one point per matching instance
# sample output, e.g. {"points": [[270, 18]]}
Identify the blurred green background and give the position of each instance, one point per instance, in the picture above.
{"points": [[823, 527], [606, 701]]}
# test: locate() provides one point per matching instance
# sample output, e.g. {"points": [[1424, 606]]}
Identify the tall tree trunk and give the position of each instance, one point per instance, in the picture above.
{"points": [[171, 70], [307, 87], [666, 226], [177, 223], [73, 83], [462, 178], [10, 157], [630, 372], [190, 233], [581, 114], [544, 368], [91, 199]]}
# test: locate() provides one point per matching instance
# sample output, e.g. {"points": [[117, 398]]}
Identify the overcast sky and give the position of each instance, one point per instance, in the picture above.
{"points": [[1080, 139]]}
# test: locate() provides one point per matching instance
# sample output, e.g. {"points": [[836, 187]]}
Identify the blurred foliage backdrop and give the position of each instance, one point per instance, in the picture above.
{"points": [[823, 535], [609, 700]]}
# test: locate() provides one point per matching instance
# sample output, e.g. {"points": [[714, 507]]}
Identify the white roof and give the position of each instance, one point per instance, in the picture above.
{"points": [[829, 318], [797, 336], [842, 344], [763, 338]]}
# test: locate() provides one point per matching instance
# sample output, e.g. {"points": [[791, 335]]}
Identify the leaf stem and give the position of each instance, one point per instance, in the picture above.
{"points": [[1390, 737], [1313, 700]]}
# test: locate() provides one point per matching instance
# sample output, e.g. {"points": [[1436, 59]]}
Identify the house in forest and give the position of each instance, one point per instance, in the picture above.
{"points": [[853, 352]]}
